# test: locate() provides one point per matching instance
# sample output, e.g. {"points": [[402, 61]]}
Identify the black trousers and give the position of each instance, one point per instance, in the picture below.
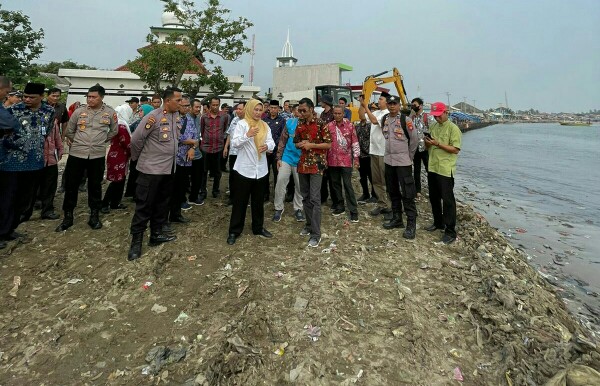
{"points": [[182, 178], [212, 163], [420, 156], [47, 188], [74, 173], [232, 159], [271, 169], [343, 175], [133, 175], [443, 204], [400, 185], [245, 189], [197, 176], [17, 196], [364, 170], [326, 188], [114, 194], [153, 196]]}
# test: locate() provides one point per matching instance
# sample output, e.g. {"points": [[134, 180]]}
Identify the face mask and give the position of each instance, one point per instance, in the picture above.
{"points": [[415, 108]]}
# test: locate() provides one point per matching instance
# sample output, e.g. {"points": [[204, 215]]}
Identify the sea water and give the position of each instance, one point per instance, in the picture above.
{"points": [[539, 184]]}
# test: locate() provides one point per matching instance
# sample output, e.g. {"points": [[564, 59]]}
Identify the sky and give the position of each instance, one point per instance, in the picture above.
{"points": [[543, 54]]}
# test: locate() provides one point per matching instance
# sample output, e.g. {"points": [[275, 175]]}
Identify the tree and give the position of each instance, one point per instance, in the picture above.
{"points": [[19, 45], [53, 67], [207, 33], [163, 62]]}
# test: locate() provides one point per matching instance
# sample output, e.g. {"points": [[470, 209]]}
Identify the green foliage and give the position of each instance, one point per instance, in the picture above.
{"points": [[163, 63], [216, 81], [53, 67], [19, 45]]}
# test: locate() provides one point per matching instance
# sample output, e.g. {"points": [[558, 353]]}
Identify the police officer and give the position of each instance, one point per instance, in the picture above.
{"points": [[401, 142], [89, 129], [154, 145]]}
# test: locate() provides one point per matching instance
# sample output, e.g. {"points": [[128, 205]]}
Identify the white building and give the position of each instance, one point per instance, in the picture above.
{"points": [[121, 84]]}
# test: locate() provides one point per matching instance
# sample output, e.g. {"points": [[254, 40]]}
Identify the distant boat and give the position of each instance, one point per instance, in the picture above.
{"points": [[576, 123]]}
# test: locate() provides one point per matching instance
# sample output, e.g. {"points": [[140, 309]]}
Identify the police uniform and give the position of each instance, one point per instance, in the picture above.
{"points": [[154, 145], [399, 153], [89, 130]]}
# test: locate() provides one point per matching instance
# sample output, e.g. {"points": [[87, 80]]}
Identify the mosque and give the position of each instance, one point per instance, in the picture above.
{"points": [[121, 84]]}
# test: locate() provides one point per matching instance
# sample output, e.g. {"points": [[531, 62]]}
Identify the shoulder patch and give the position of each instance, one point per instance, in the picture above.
{"points": [[115, 117]]}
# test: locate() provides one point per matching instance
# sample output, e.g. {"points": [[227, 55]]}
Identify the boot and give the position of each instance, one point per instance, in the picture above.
{"points": [[67, 221], [411, 229], [135, 251], [395, 222], [94, 221]]}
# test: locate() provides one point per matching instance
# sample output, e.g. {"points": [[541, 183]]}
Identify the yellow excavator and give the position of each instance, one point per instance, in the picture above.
{"points": [[372, 82]]}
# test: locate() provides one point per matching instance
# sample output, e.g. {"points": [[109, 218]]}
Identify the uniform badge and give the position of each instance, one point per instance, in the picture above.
{"points": [[82, 127], [148, 126], [165, 128], [115, 117], [165, 136], [151, 120], [163, 119], [83, 115]]}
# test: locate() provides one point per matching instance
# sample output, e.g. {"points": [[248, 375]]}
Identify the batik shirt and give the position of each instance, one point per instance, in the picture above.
{"points": [[363, 132], [313, 161], [25, 147], [189, 132], [344, 149]]}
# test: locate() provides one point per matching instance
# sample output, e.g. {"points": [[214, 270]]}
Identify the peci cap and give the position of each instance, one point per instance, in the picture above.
{"points": [[437, 109], [34, 88], [274, 102], [385, 95], [133, 100], [393, 99], [327, 99], [144, 98]]}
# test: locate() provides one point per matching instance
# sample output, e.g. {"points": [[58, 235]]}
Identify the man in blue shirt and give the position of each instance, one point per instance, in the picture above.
{"points": [[277, 123], [23, 157]]}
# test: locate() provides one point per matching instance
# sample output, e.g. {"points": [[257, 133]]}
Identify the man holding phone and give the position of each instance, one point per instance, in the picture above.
{"points": [[443, 145]]}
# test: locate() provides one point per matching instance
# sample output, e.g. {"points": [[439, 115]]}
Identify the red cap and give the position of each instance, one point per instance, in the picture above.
{"points": [[437, 109]]}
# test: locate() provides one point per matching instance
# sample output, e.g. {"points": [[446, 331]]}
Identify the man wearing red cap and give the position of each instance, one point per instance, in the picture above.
{"points": [[444, 146]]}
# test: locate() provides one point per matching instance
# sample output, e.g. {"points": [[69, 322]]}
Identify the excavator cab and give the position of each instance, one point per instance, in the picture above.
{"points": [[336, 93]]}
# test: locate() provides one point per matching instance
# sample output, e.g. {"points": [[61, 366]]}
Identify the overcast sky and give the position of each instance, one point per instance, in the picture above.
{"points": [[545, 54]]}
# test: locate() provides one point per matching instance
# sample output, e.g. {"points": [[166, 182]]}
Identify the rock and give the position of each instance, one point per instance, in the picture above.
{"points": [[158, 309], [300, 304]]}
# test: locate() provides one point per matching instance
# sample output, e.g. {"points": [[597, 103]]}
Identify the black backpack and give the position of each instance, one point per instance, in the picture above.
{"points": [[402, 123]]}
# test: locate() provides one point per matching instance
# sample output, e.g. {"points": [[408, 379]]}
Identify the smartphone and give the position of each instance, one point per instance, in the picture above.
{"points": [[427, 135]]}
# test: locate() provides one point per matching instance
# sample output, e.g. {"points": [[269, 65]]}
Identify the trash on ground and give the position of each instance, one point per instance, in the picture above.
{"points": [[74, 281], [158, 309], [182, 317], [313, 332], [15, 288]]}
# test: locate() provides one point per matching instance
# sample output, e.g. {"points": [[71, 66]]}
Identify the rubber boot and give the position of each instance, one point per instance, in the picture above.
{"points": [[395, 222], [411, 229], [135, 251], [94, 221], [67, 221]]}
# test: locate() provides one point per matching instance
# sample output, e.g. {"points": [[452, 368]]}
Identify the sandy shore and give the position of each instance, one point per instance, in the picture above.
{"points": [[366, 307]]}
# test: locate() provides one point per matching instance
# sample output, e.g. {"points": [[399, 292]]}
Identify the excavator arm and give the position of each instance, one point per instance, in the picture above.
{"points": [[373, 81]]}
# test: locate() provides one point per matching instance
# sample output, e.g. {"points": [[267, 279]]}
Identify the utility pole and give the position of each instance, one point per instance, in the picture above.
{"points": [[252, 62], [448, 94]]}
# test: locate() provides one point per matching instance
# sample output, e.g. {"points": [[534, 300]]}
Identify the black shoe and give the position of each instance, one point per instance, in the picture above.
{"points": [[94, 221], [179, 219], [135, 251], [67, 221], [13, 236], [448, 239], [264, 233], [105, 210], [377, 211], [50, 216], [166, 229], [411, 229], [159, 238], [395, 222], [338, 211], [388, 216], [120, 206], [386, 210], [231, 238], [433, 227], [363, 199]]}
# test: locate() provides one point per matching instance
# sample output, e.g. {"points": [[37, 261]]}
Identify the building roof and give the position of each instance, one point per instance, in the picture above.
{"points": [[195, 61]]}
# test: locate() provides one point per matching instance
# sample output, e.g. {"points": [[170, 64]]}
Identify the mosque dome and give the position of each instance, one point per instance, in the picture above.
{"points": [[170, 20]]}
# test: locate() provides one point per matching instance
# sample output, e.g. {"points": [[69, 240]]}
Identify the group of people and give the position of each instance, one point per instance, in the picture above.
{"points": [[162, 151]]}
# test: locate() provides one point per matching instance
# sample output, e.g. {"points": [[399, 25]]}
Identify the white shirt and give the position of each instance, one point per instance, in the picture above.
{"points": [[247, 162], [229, 131], [377, 145]]}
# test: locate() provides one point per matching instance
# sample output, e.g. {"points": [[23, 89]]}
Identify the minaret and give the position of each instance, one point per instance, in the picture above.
{"points": [[287, 54]]}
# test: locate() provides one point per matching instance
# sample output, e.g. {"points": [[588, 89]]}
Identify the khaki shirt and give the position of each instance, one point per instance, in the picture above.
{"points": [[90, 130], [155, 141], [397, 151]]}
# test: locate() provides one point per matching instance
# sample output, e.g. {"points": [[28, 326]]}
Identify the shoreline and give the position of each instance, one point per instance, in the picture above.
{"points": [[380, 303]]}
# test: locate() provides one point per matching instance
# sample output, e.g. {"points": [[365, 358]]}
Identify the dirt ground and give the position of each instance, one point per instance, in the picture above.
{"points": [[367, 307]]}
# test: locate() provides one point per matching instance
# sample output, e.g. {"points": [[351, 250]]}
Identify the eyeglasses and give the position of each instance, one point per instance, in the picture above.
{"points": [[302, 111]]}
